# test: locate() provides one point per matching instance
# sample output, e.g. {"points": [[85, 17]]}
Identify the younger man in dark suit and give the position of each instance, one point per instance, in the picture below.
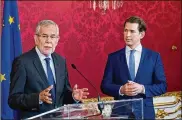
{"points": [[135, 71]]}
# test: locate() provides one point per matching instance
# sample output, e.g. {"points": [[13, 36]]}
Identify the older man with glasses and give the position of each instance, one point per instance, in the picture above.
{"points": [[39, 78]]}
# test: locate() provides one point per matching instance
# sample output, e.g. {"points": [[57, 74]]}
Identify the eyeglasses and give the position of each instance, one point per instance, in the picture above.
{"points": [[45, 37]]}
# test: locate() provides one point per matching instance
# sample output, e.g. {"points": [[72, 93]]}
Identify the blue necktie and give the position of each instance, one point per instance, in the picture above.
{"points": [[50, 78], [132, 64]]}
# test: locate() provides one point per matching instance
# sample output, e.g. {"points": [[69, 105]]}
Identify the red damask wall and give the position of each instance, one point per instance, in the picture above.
{"points": [[87, 36]]}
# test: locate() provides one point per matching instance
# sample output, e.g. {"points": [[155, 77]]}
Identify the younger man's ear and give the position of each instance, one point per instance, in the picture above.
{"points": [[142, 34]]}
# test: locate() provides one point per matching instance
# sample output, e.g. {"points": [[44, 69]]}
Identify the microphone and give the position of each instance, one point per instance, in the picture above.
{"points": [[100, 105]]}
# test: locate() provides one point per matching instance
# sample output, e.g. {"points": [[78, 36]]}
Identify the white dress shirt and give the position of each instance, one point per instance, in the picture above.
{"points": [[137, 55]]}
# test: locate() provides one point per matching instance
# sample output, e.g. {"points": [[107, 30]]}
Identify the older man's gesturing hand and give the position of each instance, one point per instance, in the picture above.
{"points": [[80, 94]]}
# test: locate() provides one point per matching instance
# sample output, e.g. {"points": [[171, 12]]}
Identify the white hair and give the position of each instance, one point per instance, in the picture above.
{"points": [[46, 23]]}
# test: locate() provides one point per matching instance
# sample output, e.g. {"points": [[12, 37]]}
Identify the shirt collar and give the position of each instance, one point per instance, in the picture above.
{"points": [[138, 48], [41, 56]]}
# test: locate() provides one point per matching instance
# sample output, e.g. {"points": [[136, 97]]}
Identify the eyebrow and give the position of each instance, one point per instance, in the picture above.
{"points": [[129, 29], [47, 34]]}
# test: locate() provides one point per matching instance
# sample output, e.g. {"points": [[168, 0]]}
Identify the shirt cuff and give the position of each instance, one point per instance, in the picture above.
{"points": [[143, 89], [40, 102], [77, 101]]}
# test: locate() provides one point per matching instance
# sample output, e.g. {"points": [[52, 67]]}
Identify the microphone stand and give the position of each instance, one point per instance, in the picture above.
{"points": [[100, 105]]}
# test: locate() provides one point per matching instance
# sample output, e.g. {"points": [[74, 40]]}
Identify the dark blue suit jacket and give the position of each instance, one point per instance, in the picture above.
{"points": [[150, 74], [28, 79]]}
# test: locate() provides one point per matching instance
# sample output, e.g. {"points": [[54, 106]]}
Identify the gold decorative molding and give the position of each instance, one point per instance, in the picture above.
{"points": [[159, 106], [96, 100], [174, 47], [178, 116], [161, 113], [169, 109], [167, 103], [177, 95]]}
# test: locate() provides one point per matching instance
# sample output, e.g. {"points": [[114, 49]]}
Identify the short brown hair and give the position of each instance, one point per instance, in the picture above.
{"points": [[135, 19]]}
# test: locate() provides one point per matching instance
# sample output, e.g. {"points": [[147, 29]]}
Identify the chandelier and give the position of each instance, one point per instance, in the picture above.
{"points": [[106, 4]]}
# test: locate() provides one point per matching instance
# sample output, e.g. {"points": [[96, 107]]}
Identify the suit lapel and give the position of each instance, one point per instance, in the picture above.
{"points": [[124, 63], [143, 56], [38, 65]]}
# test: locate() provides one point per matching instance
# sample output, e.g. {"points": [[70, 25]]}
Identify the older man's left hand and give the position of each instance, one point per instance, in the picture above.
{"points": [[80, 94]]}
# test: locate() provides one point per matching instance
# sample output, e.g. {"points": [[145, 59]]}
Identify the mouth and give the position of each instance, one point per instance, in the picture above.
{"points": [[47, 47], [128, 40]]}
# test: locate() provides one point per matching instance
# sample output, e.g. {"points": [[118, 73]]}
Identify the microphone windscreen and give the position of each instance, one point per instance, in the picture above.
{"points": [[73, 66]]}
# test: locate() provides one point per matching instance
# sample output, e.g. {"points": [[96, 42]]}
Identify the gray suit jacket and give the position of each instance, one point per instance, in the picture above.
{"points": [[28, 79]]}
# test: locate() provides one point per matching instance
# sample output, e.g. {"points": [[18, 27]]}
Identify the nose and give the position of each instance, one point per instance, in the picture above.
{"points": [[128, 33], [48, 39]]}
